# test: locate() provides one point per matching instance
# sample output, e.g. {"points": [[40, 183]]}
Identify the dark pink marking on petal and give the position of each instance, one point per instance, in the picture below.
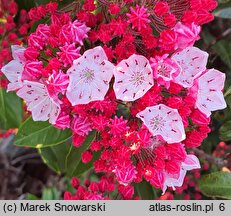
{"points": [[125, 91]]}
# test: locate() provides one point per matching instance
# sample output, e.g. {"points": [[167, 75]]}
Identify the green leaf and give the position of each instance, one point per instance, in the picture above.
{"points": [[228, 92], [10, 110], [145, 190], [40, 134], [223, 1], [50, 194], [217, 184], [30, 196], [66, 158], [223, 13], [28, 4], [225, 131], [223, 49], [55, 156], [73, 158]]}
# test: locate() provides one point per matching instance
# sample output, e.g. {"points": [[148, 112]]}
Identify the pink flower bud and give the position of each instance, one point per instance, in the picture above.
{"points": [[94, 187], [161, 8], [75, 182], [32, 70], [31, 53], [170, 20], [127, 192], [87, 156], [78, 140]]}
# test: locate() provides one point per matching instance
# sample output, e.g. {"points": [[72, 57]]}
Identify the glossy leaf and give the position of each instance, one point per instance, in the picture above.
{"points": [[216, 184], [66, 158], [55, 156], [10, 110], [40, 134], [74, 156]]}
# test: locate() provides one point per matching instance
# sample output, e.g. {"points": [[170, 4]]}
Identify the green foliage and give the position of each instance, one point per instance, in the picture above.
{"points": [[225, 131], [223, 49], [10, 110], [216, 184], [74, 156], [66, 158], [40, 134], [146, 191], [50, 193], [28, 4], [223, 13], [30, 196]]}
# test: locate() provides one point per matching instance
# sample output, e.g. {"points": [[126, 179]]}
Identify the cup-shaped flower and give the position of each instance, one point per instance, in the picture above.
{"points": [[38, 101], [133, 78], [210, 96], [13, 70], [89, 77], [164, 121], [165, 69], [193, 62]]}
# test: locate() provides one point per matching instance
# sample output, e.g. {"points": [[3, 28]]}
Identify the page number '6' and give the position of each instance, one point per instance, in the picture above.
{"points": [[222, 207]]}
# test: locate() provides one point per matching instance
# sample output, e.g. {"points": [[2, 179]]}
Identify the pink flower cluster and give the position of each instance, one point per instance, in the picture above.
{"points": [[11, 32], [100, 190], [147, 96]]}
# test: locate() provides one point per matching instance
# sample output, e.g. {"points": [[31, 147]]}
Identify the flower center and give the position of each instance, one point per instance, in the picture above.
{"points": [[137, 78], [157, 123], [163, 70], [88, 75]]}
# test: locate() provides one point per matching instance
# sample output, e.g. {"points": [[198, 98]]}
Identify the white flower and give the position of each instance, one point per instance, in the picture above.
{"points": [[89, 77], [210, 96], [192, 62], [164, 121], [13, 70], [133, 78], [42, 106]]}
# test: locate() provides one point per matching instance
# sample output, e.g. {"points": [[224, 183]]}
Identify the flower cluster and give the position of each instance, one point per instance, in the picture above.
{"points": [[100, 190], [11, 32], [132, 75]]}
